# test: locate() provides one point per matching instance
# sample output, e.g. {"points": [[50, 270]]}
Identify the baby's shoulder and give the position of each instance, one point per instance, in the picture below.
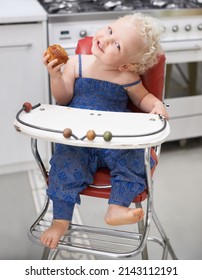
{"points": [[129, 77]]}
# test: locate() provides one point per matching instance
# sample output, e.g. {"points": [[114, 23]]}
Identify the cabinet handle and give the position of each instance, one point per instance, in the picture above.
{"points": [[195, 48], [28, 45]]}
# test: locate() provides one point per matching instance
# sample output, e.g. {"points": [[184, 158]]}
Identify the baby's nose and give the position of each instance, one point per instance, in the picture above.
{"points": [[108, 41]]}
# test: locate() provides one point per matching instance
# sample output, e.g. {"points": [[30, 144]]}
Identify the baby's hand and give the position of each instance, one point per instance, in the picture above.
{"points": [[54, 71], [160, 109]]}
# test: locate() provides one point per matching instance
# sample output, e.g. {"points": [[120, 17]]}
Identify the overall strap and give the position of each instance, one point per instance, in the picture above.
{"points": [[132, 84], [80, 66]]}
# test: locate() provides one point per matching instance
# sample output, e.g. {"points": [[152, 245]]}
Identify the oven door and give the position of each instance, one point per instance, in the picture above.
{"points": [[183, 88]]}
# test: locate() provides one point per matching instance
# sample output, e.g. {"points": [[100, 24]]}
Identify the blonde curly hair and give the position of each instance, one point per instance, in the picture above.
{"points": [[150, 30]]}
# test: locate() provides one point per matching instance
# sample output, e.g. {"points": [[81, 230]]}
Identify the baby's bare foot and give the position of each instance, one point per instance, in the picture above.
{"points": [[119, 215], [51, 236]]}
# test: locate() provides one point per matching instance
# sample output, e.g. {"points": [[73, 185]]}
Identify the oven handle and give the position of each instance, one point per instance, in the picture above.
{"points": [[28, 45], [195, 48]]}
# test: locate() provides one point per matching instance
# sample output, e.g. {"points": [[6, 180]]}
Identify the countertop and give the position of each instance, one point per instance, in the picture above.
{"points": [[17, 11]]}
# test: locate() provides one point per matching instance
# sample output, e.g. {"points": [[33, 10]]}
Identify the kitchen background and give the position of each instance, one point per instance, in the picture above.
{"points": [[27, 27]]}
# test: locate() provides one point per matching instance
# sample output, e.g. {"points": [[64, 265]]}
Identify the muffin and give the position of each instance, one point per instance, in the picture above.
{"points": [[57, 52]]}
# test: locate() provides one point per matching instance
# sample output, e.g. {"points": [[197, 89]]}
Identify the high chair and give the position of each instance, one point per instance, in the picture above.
{"points": [[111, 243]]}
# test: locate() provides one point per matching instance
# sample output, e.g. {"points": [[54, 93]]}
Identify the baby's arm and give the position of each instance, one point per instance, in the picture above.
{"points": [[61, 82], [157, 107], [146, 101]]}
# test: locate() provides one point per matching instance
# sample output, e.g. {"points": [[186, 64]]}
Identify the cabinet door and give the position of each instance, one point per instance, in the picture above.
{"points": [[22, 78]]}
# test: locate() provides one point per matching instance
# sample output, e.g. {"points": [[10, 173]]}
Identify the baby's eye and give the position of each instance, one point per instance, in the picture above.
{"points": [[109, 30], [117, 46]]}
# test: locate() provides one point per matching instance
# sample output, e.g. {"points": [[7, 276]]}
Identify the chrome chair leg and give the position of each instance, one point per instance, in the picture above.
{"points": [[38, 159], [168, 247], [141, 229], [46, 253]]}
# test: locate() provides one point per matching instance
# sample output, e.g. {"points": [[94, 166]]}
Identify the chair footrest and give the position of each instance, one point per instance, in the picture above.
{"points": [[109, 242], [103, 241]]}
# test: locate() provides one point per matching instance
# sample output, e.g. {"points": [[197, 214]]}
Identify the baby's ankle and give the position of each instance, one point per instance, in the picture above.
{"points": [[60, 223]]}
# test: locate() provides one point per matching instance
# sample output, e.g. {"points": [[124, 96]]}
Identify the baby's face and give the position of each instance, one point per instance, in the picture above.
{"points": [[118, 43]]}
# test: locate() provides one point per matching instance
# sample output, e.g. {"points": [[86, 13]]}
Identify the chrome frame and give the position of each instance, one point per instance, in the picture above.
{"points": [[141, 237]]}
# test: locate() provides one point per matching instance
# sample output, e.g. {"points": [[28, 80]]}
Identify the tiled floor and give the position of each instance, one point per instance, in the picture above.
{"points": [[177, 193]]}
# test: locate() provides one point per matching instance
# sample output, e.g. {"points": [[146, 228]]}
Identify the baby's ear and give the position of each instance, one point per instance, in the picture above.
{"points": [[127, 67]]}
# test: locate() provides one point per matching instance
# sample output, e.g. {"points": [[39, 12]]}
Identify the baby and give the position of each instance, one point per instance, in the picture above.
{"points": [[105, 80]]}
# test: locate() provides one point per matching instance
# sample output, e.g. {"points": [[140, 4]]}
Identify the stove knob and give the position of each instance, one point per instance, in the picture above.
{"points": [[175, 28], [199, 26], [83, 33], [188, 27]]}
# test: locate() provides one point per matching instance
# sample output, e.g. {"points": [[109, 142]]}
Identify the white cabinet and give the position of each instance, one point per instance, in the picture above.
{"points": [[22, 78]]}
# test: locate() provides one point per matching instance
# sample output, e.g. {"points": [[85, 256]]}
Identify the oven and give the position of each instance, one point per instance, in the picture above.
{"points": [[68, 21], [182, 43]]}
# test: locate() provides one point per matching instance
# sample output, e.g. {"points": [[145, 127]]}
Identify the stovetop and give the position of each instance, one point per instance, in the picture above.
{"points": [[90, 6]]}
